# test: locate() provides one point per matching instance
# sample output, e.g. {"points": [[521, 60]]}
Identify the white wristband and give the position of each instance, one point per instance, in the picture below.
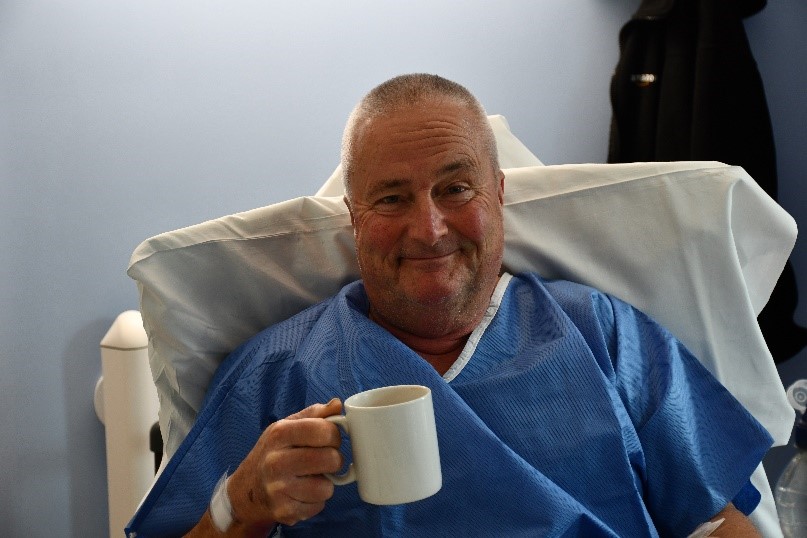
{"points": [[705, 529], [221, 511]]}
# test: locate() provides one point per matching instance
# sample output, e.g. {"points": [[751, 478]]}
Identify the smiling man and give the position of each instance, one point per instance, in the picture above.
{"points": [[425, 197], [561, 411]]}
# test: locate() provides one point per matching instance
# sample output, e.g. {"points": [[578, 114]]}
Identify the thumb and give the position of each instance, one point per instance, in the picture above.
{"points": [[319, 410]]}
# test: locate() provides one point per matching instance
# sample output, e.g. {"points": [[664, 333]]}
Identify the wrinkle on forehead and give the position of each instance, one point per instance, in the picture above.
{"points": [[394, 142], [412, 128], [433, 135]]}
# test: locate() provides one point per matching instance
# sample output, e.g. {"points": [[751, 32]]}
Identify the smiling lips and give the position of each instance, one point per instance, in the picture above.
{"points": [[433, 262]]}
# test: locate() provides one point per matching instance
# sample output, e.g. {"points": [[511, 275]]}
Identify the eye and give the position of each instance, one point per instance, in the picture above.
{"points": [[456, 189], [389, 204], [389, 200], [457, 193]]}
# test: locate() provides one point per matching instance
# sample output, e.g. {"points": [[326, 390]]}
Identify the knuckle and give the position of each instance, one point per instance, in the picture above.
{"points": [[278, 429], [286, 516], [273, 491], [271, 465], [321, 460], [308, 511]]}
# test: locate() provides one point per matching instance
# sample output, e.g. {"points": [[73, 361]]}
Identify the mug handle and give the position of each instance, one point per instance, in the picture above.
{"points": [[350, 475]]}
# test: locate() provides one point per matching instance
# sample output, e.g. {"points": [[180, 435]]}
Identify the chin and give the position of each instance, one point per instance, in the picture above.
{"points": [[436, 293]]}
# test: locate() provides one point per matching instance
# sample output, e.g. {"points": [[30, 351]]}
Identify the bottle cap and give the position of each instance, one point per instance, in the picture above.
{"points": [[797, 395]]}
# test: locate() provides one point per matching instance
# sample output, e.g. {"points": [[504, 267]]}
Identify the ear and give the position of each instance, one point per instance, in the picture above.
{"points": [[350, 210]]}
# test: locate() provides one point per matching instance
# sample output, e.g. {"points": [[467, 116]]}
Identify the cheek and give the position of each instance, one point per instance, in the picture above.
{"points": [[374, 238], [480, 227]]}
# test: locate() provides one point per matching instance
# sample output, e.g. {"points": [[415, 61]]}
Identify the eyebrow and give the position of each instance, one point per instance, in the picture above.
{"points": [[460, 164], [387, 184]]}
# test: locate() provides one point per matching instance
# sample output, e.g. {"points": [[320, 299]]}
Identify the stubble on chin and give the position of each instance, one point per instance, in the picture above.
{"points": [[429, 314]]}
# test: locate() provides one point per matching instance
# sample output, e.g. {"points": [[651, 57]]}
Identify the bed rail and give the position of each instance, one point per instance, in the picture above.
{"points": [[126, 402]]}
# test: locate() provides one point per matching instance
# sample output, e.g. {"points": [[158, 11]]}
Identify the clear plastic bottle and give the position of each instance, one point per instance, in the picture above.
{"points": [[791, 488]]}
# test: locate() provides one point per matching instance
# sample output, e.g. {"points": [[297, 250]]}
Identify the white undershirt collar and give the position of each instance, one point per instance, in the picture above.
{"points": [[476, 335]]}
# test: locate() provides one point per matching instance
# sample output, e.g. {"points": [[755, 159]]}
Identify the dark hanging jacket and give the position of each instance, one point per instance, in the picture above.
{"points": [[686, 87]]}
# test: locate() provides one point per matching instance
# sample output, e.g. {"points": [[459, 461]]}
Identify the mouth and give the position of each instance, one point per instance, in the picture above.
{"points": [[431, 262]]}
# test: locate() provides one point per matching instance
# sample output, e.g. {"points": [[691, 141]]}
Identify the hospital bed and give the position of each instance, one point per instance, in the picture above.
{"points": [[697, 245]]}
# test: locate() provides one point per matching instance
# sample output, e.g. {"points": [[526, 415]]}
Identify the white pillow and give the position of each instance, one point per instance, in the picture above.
{"points": [[698, 246]]}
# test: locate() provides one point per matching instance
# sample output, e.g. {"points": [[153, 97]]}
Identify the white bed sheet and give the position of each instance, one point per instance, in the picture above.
{"points": [[698, 246]]}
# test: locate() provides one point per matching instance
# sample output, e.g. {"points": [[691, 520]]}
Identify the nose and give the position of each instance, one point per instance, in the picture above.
{"points": [[427, 222]]}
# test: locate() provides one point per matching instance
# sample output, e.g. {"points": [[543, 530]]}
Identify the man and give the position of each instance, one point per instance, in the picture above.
{"points": [[560, 411]]}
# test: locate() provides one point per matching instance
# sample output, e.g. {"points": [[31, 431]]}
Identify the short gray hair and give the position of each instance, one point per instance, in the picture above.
{"points": [[407, 90]]}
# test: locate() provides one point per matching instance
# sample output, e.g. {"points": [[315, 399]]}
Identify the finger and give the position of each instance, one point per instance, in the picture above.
{"points": [[303, 462], [304, 432], [292, 512], [300, 499], [311, 489], [318, 410]]}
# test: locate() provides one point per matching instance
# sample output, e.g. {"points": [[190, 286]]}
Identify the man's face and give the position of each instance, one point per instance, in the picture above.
{"points": [[426, 208]]}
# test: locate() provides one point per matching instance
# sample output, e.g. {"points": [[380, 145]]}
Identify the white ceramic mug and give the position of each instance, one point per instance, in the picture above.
{"points": [[394, 442]]}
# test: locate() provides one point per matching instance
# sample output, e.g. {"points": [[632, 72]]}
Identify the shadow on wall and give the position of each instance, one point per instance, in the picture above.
{"points": [[87, 481]]}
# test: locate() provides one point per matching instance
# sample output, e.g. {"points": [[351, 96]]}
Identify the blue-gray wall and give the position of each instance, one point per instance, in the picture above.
{"points": [[120, 120]]}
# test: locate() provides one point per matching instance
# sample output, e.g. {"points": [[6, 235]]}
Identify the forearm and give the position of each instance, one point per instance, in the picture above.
{"points": [[206, 529], [735, 524], [227, 502]]}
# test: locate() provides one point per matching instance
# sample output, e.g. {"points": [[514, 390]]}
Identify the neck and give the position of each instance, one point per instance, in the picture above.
{"points": [[441, 352]]}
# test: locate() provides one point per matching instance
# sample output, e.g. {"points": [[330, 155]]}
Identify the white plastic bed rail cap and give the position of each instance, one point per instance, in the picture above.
{"points": [[126, 332]]}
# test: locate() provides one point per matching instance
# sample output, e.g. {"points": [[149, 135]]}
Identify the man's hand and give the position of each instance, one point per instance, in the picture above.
{"points": [[281, 479]]}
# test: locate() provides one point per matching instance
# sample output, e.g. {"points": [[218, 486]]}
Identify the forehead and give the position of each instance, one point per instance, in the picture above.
{"points": [[420, 135]]}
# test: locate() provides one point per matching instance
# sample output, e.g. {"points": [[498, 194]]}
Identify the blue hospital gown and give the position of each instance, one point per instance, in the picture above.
{"points": [[576, 415]]}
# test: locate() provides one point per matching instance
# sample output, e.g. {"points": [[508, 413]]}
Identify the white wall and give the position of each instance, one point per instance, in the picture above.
{"points": [[120, 120]]}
